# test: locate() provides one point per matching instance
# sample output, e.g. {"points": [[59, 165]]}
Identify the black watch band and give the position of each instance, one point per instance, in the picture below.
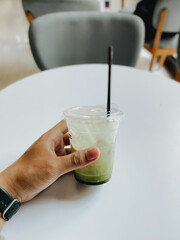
{"points": [[8, 205]]}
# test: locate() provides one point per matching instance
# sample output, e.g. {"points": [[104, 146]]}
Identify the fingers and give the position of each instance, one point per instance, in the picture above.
{"points": [[55, 134], [63, 147], [60, 127], [68, 150], [78, 159], [66, 139]]}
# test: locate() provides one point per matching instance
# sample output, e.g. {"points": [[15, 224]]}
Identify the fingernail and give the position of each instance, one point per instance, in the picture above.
{"points": [[92, 154]]}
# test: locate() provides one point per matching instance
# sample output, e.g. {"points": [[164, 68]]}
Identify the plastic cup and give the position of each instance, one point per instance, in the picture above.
{"points": [[90, 126]]}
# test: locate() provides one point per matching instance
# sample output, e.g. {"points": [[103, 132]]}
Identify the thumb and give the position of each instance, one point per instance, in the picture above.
{"points": [[79, 159]]}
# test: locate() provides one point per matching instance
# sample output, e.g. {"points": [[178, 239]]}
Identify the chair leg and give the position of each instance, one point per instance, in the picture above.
{"points": [[158, 59], [122, 4], [151, 63], [177, 75], [162, 60], [29, 16]]}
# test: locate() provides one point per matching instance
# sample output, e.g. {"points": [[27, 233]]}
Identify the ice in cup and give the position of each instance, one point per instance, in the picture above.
{"points": [[89, 126]]}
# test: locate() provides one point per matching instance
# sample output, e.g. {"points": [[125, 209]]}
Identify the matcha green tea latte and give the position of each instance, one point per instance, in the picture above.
{"points": [[91, 127]]}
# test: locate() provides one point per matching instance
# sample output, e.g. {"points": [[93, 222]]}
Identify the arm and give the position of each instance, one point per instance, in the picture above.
{"points": [[2, 221], [42, 164]]}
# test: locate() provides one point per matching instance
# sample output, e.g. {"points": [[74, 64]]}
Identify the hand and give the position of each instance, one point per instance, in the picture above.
{"points": [[43, 163]]}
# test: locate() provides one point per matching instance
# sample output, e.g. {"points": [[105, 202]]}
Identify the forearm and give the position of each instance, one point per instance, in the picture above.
{"points": [[2, 222], [4, 184]]}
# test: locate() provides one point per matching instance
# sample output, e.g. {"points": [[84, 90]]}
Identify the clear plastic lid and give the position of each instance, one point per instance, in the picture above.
{"points": [[98, 112]]}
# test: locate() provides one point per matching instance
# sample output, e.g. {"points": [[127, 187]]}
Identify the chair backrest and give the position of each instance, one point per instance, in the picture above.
{"points": [[42, 7], [61, 39], [172, 23]]}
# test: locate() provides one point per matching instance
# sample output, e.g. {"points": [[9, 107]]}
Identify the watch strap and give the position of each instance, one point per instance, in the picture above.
{"points": [[8, 205]]}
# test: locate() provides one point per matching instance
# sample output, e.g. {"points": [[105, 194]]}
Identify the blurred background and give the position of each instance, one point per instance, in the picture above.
{"points": [[16, 60]]}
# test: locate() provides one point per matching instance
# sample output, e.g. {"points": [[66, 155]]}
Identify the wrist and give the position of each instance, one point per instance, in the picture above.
{"points": [[9, 186]]}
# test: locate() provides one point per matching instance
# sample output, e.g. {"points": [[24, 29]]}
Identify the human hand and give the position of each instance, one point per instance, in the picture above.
{"points": [[43, 163]]}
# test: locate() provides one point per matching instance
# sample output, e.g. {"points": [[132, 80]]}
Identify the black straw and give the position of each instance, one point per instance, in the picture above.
{"points": [[110, 62]]}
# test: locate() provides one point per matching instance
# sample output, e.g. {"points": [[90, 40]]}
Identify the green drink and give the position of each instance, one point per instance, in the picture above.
{"points": [[91, 127]]}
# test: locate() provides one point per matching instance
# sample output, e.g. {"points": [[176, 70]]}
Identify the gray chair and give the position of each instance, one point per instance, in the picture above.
{"points": [[166, 18], [61, 39], [129, 10], [36, 8]]}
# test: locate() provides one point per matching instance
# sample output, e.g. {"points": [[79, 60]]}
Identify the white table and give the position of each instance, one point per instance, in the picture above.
{"points": [[142, 200]]}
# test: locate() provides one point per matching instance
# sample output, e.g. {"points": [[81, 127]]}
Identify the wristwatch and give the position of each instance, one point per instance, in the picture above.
{"points": [[8, 205]]}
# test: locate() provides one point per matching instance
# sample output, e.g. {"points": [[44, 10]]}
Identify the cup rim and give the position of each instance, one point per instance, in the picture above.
{"points": [[115, 115]]}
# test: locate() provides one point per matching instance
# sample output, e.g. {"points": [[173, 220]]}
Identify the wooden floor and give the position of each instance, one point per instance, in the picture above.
{"points": [[16, 60]]}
